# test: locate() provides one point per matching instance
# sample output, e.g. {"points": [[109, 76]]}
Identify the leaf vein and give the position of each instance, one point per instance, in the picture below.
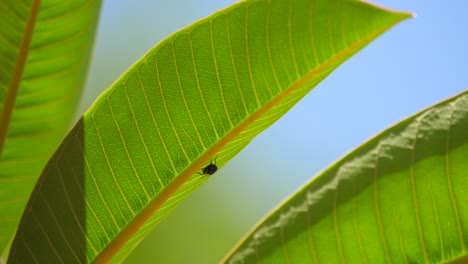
{"points": [[110, 168]]}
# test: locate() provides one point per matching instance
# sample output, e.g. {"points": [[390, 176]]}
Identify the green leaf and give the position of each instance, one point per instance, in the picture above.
{"points": [[399, 198], [44, 52], [205, 91]]}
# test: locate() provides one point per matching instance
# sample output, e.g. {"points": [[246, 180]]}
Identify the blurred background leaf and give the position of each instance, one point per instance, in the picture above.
{"points": [[50, 86], [209, 88], [400, 197]]}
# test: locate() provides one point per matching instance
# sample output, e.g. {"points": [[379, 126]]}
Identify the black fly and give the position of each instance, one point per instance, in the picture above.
{"points": [[209, 169]]}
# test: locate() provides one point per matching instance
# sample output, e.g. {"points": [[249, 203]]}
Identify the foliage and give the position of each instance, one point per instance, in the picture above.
{"points": [[201, 94]]}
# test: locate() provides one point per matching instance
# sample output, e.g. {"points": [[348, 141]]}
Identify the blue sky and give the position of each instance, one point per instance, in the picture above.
{"points": [[412, 66]]}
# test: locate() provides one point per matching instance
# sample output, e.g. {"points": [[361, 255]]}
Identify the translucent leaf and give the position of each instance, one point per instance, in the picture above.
{"points": [[202, 93]]}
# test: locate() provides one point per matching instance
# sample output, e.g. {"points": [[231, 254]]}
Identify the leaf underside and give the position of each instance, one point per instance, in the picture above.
{"points": [[206, 90], [399, 198]]}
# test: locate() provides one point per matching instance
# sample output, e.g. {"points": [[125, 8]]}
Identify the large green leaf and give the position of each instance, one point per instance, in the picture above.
{"points": [[399, 198], [44, 52], [206, 90]]}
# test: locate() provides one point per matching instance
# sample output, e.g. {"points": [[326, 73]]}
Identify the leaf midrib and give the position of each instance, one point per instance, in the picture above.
{"points": [[16, 77]]}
